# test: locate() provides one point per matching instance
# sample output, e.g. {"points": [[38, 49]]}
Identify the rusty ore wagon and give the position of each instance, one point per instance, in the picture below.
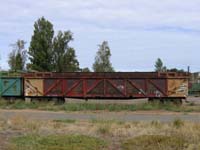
{"points": [[118, 85]]}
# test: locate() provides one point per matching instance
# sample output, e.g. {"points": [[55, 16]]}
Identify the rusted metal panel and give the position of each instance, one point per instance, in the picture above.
{"points": [[136, 88], [33, 87], [53, 87], [177, 88], [11, 86], [105, 88], [156, 88]]}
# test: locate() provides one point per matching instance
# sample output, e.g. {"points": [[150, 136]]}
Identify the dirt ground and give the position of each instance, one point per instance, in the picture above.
{"points": [[112, 131], [137, 116], [162, 116]]}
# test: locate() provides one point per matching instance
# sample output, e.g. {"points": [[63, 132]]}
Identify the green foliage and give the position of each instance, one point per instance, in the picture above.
{"points": [[155, 142], [102, 60], [12, 60], [175, 70], [85, 69], [56, 142], [66, 121], [159, 66], [72, 64], [19, 62], [17, 58], [40, 50], [64, 56]]}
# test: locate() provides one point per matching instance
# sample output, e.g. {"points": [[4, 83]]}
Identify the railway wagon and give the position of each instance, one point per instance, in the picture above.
{"points": [[194, 90], [11, 85], [119, 85]]}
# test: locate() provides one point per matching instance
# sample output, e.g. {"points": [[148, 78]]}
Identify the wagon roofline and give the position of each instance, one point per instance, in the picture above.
{"points": [[10, 74], [116, 75]]}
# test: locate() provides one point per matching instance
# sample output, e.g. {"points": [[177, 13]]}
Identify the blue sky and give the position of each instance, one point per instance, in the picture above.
{"points": [[138, 31]]}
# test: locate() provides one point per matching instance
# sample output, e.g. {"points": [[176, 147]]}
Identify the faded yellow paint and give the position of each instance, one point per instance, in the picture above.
{"points": [[33, 87], [177, 87]]}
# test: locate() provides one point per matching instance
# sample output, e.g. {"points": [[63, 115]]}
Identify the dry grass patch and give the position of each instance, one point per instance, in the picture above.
{"points": [[24, 124], [104, 129], [155, 142], [179, 134]]}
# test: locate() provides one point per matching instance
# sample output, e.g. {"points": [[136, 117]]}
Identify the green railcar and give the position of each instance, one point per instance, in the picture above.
{"points": [[11, 85], [195, 89]]}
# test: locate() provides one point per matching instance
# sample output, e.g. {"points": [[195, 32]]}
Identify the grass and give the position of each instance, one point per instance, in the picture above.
{"points": [[101, 121], [66, 121], [155, 142], [18, 104], [156, 124], [52, 106], [57, 142], [92, 134], [177, 123], [104, 129]]}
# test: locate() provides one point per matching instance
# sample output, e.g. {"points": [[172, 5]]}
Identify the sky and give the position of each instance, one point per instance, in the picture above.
{"points": [[138, 31]]}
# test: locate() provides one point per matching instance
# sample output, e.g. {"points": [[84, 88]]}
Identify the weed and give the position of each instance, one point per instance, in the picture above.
{"points": [[107, 121], [66, 121], [177, 123], [104, 129], [156, 124]]}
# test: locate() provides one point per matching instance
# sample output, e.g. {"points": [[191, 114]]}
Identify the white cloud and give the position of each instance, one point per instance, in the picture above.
{"points": [[133, 13], [156, 21]]}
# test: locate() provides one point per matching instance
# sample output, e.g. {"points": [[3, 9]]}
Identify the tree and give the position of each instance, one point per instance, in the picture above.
{"points": [[85, 69], [60, 47], [64, 56], [175, 70], [71, 62], [159, 66], [102, 60], [40, 50], [17, 57]]}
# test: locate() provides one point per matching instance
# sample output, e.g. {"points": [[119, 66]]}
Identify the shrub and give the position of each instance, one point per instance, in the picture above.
{"points": [[177, 123]]}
